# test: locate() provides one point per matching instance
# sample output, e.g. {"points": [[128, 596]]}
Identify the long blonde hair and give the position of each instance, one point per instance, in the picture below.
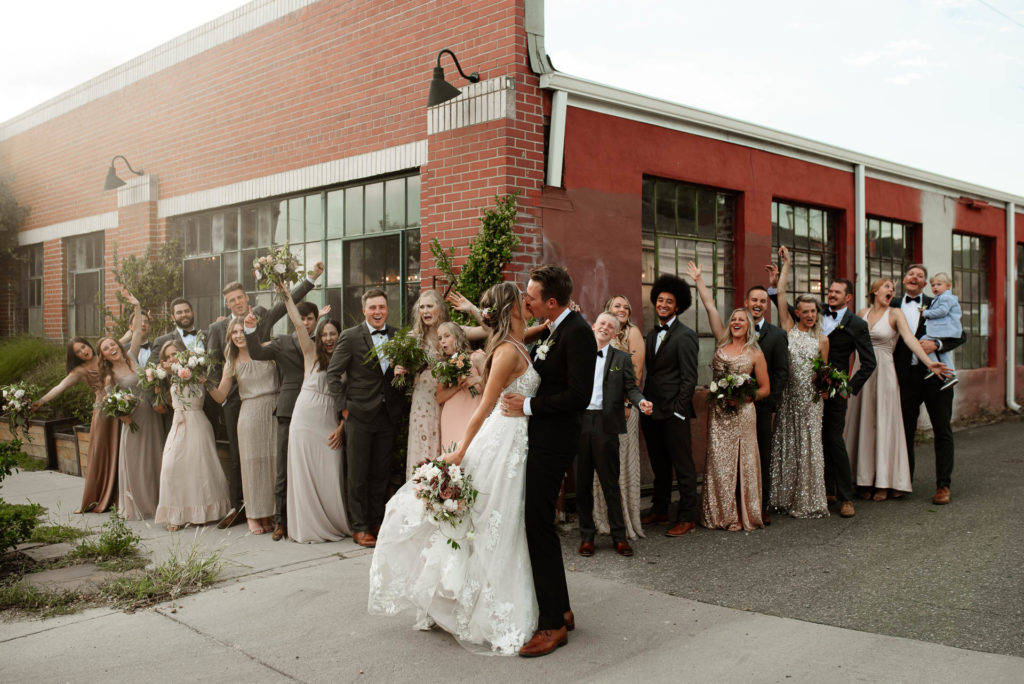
{"points": [[497, 304], [875, 285], [420, 330], [622, 337], [461, 341], [751, 342]]}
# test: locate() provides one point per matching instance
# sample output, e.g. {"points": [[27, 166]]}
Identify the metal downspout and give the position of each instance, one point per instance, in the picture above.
{"points": [[860, 239], [1011, 308]]}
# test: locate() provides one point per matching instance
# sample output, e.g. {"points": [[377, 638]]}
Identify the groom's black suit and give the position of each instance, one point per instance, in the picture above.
{"points": [[567, 380]]}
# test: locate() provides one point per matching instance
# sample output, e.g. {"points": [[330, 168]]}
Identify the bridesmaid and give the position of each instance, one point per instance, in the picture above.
{"points": [[631, 341], [316, 510], [457, 402], [798, 460], [193, 488], [733, 465], [101, 476], [138, 461], [874, 423], [424, 411], [257, 426]]}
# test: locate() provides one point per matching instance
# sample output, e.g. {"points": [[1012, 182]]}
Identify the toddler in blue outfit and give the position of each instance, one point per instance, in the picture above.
{"points": [[942, 319]]}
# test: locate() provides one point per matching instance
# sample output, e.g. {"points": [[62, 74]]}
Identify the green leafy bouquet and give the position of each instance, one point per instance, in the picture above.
{"points": [[121, 403], [450, 370], [403, 349], [829, 381], [277, 267], [18, 400]]}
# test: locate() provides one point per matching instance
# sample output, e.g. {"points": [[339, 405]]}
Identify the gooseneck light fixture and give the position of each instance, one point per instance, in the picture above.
{"points": [[113, 182], [440, 89]]}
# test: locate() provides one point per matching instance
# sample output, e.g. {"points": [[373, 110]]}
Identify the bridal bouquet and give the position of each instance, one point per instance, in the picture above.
{"points": [[153, 379], [192, 367], [121, 403], [279, 267], [447, 493], [732, 390], [403, 349], [18, 400], [449, 370], [829, 381]]}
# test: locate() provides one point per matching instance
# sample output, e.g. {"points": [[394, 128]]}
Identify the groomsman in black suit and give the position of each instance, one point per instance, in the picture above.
{"points": [[775, 347], [670, 377], [603, 421], [284, 351], [184, 326], [371, 411], [915, 388], [237, 302]]}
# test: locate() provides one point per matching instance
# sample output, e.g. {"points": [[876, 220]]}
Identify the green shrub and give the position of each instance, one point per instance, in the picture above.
{"points": [[16, 520], [75, 403], [17, 354]]}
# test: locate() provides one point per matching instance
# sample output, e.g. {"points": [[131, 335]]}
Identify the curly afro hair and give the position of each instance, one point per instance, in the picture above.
{"points": [[677, 287]]}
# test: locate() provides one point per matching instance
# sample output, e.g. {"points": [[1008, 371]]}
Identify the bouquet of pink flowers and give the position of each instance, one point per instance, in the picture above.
{"points": [[192, 367], [447, 493], [153, 378], [732, 390], [121, 403], [450, 370], [829, 381], [278, 267], [17, 405]]}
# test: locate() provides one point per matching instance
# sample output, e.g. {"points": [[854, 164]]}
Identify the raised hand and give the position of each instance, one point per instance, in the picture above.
{"points": [[130, 298], [784, 254], [318, 269], [250, 319], [773, 275], [459, 303], [694, 271], [324, 310]]}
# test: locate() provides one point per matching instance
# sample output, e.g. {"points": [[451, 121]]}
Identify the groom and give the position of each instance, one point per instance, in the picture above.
{"points": [[565, 361]]}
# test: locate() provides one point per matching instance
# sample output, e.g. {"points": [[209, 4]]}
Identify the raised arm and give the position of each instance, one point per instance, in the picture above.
{"points": [[227, 379], [72, 378], [782, 302], [696, 274], [305, 343], [899, 321], [136, 329], [463, 305]]}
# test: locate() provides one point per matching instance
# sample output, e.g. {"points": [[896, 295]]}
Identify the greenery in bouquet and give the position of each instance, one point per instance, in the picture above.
{"points": [[403, 349], [448, 371], [829, 381], [277, 267], [732, 390], [153, 378], [447, 493], [121, 403], [17, 406]]}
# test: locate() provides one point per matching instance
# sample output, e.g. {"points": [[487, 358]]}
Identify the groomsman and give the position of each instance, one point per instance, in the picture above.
{"points": [[603, 422], [915, 388], [146, 349], [283, 351], [670, 377], [184, 325], [237, 302], [371, 411]]}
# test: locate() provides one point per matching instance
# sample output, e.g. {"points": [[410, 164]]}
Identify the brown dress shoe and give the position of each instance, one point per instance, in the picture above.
{"points": [[234, 517], [570, 621], [544, 641], [623, 548], [279, 532], [846, 510], [830, 499], [587, 548], [941, 497], [680, 529], [364, 539], [766, 517], [653, 518]]}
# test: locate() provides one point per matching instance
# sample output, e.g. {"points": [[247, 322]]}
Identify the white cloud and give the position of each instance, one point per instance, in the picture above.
{"points": [[903, 79]]}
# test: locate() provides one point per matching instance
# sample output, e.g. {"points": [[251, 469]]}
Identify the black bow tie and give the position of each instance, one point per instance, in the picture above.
{"points": [[600, 353], [661, 328], [831, 314], [144, 345], [380, 332], [757, 329], [188, 332], [914, 299]]}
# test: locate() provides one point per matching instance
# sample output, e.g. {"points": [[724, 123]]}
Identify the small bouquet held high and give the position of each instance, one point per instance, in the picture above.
{"points": [[732, 390], [447, 493], [121, 403], [278, 267], [192, 367], [153, 378], [18, 400], [829, 381], [448, 371], [403, 349]]}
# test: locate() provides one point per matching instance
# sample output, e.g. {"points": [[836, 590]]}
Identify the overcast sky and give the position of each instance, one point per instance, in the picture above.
{"points": [[933, 84]]}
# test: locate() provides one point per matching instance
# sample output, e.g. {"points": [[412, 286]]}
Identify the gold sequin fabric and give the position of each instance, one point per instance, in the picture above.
{"points": [[798, 462], [732, 453]]}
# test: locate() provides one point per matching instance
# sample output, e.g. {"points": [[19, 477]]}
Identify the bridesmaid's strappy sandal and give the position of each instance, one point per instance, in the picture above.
{"points": [[254, 526], [171, 528], [881, 495]]}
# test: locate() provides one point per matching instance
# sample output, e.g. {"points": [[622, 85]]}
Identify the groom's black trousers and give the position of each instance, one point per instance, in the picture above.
{"points": [[544, 473]]}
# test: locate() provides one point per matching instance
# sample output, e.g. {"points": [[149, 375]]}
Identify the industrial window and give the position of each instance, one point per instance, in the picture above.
{"points": [[29, 316], [683, 222], [810, 233], [84, 259], [971, 256], [367, 235], [891, 248]]}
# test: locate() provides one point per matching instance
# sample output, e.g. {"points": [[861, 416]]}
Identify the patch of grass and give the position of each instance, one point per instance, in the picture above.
{"points": [[176, 577], [23, 461], [116, 541], [55, 534], [25, 598]]}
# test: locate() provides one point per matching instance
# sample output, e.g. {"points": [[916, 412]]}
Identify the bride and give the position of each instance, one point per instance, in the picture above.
{"points": [[482, 592]]}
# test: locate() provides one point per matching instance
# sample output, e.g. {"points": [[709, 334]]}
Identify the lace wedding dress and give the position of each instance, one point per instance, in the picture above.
{"points": [[482, 593]]}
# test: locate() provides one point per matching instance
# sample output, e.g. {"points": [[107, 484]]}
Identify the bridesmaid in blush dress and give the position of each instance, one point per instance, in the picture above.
{"points": [[874, 424], [424, 412], [316, 509], [457, 402], [731, 493]]}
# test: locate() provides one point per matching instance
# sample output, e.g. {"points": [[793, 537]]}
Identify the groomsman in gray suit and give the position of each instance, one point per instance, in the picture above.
{"points": [[284, 351]]}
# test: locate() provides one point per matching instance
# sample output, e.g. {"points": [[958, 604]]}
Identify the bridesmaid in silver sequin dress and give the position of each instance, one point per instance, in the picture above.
{"points": [[731, 492], [798, 461]]}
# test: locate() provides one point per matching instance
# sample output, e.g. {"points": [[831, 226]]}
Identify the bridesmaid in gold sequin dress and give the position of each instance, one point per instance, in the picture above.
{"points": [[798, 460], [731, 493]]}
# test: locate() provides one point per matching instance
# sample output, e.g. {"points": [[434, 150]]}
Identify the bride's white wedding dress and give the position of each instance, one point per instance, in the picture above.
{"points": [[483, 592]]}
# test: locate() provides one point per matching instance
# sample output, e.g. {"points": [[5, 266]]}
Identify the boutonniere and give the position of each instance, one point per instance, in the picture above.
{"points": [[544, 347], [613, 369], [921, 308]]}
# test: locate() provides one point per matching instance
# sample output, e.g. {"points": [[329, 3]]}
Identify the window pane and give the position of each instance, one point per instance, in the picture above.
{"points": [[686, 210], [230, 269], [280, 222], [314, 253], [706, 214], [248, 227], [374, 207], [394, 204], [314, 217], [267, 218], [354, 211], [335, 213], [218, 233], [412, 201], [296, 220], [230, 218], [412, 257], [333, 263], [205, 231], [248, 279], [665, 199]]}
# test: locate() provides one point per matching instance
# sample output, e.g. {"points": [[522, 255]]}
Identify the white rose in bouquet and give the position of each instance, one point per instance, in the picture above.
{"points": [[280, 269]]}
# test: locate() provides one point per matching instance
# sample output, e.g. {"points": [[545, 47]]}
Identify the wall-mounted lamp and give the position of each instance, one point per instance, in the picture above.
{"points": [[113, 182], [440, 89]]}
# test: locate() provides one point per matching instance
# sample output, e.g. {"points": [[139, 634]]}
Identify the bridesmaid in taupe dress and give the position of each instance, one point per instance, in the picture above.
{"points": [[257, 428]]}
